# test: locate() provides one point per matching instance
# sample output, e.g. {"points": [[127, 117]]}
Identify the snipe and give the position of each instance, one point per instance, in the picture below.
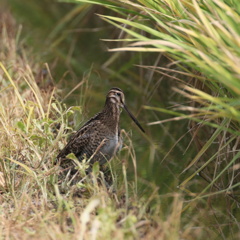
{"points": [[99, 138]]}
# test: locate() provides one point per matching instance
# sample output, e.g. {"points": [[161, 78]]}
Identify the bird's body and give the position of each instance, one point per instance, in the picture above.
{"points": [[99, 138]]}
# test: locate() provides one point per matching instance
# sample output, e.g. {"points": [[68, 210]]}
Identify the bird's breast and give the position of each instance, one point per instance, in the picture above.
{"points": [[112, 145]]}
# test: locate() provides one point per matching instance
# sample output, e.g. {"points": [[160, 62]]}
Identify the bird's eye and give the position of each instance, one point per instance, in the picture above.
{"points": [[119, 94]]}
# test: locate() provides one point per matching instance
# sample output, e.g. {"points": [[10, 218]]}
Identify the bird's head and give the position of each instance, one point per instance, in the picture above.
{"points": [[116, 96]]}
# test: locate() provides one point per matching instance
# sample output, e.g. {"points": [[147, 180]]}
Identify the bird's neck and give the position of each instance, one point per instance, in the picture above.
{"points": [[111, 114], [112, 110]]}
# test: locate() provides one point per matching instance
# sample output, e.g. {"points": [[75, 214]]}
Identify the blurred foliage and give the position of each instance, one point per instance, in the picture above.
{"points": [[200, 35], [69, 39], [35, 202], [178, 59]]}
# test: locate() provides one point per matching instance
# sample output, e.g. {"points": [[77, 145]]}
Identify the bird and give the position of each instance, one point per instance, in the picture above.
{"points": [[99, 139]]}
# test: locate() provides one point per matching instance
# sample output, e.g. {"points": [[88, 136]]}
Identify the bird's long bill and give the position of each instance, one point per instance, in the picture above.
{"points": [[133, 118]]}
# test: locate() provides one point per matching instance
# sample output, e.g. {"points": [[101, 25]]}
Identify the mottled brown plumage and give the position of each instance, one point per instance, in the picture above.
{"points": [[99, 138]]}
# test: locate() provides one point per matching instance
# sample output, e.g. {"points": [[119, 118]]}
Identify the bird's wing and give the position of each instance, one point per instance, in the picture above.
{"points": [[84, 141]]}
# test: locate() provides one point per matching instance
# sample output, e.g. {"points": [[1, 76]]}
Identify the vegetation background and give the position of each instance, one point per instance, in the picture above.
{"points": [[178, 64]]}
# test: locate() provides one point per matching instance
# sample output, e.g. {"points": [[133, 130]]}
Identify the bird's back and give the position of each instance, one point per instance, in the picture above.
{"points": [[93, 140]]}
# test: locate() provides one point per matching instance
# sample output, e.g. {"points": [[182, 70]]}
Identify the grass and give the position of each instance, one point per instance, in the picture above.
{"points": [[34, 125], [32, 206], [204, 42], [199, 38], [187, 77]]}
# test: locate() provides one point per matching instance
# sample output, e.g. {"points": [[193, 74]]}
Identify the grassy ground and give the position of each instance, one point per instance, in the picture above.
{"points": [[191, 74], [33, 128]]}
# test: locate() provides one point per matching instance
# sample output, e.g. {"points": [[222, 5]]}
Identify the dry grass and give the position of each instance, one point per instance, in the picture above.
{"points": [[33, 127], [34, 124]]}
